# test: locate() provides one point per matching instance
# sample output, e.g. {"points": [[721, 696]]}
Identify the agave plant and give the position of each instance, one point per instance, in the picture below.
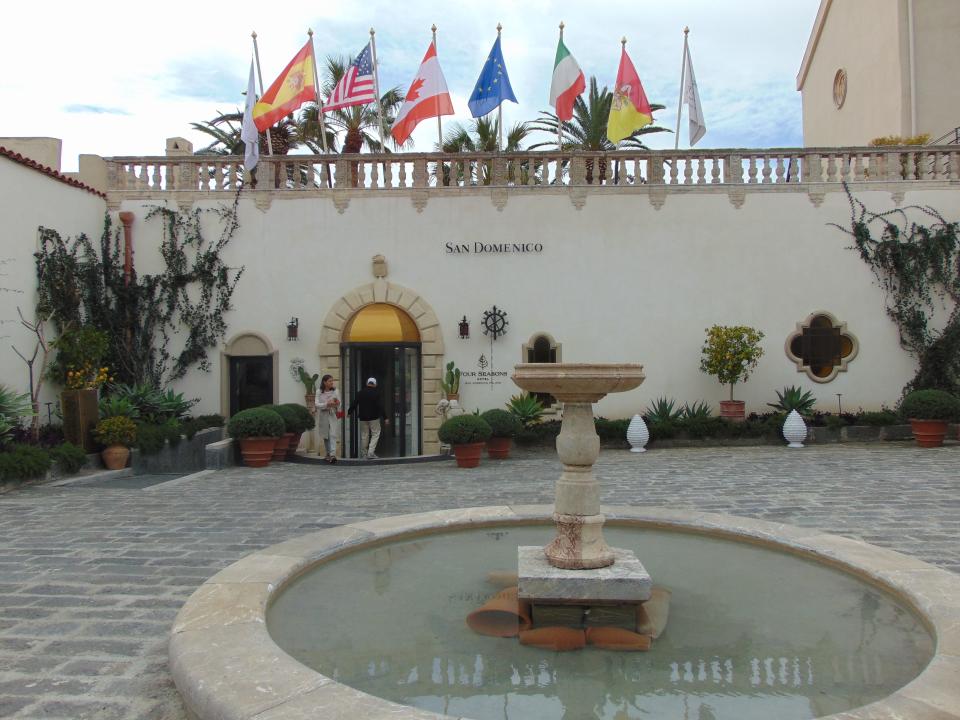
{"points": [[118, 406], [13, 406], [794, 398], [663, 410], [700, 410], [526, 408]]}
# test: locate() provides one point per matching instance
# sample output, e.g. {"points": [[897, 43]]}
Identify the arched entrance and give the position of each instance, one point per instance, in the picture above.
{"points": [[248, 373], [343, 329]]}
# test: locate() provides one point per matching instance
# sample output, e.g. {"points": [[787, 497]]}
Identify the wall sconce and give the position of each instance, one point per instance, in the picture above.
{"points": [[292, 328], [464, 328]]}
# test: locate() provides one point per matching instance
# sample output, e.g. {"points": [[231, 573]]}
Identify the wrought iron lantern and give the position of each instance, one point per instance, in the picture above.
{"points": [[464, 328], [293, 328]]}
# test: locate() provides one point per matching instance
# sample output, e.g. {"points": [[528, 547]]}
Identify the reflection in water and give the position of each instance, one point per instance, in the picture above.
{"points": [[753, 634]]}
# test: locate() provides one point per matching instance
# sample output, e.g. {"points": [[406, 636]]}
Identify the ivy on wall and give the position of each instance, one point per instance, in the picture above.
{"points": [[918, 267], [82, 283]]}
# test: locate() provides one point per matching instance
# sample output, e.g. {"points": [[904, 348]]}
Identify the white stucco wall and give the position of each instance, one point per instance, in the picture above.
{"points": [[616, 281], [937, 30], [28, 200]]}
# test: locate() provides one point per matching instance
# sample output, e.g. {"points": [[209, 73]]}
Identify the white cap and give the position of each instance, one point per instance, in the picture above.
{"points": [[372, 381]]}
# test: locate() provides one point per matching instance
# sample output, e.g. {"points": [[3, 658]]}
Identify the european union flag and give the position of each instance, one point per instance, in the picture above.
{"points": [[493, 85]]}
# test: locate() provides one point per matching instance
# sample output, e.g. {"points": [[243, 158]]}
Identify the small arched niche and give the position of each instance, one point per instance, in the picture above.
{"points": [[249, 373]]}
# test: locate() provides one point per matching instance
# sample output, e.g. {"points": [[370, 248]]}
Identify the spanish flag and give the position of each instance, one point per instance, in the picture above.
{"points": [[629, 109], [293, 88]]}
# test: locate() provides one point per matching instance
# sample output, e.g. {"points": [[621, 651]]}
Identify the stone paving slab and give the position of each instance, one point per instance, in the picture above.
{"points": [[92, 578]]}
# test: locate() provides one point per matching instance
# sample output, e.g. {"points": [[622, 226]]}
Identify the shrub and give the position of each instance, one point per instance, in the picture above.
{"points": [[698, 427], [152, 405], [118, 406], [79, 350], [68, 457], [731, 353], [878, 419], [526, 408], [661, 429], [23, 462], [116, 431], [304, 418], [464, 429], [794, 398], [502, 424], [700, 410], [930, 405], [543, 432], [256, 422], [611, 429], [834, 422], [194, 425], [13, 406], [663, 410], [289, 417]]}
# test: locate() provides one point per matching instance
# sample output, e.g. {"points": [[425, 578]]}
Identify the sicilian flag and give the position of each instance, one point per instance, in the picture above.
{"points": [[248, 131], [568, 82], [629, 109], [293, 88], [427, 97]]}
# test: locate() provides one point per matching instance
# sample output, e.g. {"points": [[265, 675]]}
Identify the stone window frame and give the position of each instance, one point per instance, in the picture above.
{"points": [[246, 343], [527, 348], [844, 361]]}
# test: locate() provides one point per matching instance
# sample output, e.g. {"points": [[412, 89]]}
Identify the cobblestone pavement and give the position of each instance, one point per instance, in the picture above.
{"points": [[91, 578]]}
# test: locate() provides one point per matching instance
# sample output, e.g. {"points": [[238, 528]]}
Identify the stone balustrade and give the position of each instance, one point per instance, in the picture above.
{"points": [[422, 171]]}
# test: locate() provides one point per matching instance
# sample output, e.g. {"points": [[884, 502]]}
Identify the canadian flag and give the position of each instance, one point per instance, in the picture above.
{"points": [[427, 97]]}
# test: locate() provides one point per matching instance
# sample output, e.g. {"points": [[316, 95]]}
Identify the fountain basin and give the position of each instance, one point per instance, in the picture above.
{"points": [[226, 664], [574, 382]]}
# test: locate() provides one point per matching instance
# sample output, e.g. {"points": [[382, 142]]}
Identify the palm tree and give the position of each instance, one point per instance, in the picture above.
{"points": [[225, 131], [481, 137], [587, 130]]}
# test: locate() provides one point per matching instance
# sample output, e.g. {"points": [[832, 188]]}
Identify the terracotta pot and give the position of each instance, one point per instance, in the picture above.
{"points": [[554, 638], [614, 638], [294, 444], [929, 433], [115, 456], [281, 446], [498, 448], [468, 456], [453, 396], [310, 399], [257, 451], [732, 410], [503, 615]]}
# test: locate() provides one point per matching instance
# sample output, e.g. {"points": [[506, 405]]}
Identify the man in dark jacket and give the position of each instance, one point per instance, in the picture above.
{"points": [[369, 412]]}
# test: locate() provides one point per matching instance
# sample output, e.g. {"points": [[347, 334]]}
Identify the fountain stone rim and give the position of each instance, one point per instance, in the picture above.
{"points": [[578, 382], [226, 666]]}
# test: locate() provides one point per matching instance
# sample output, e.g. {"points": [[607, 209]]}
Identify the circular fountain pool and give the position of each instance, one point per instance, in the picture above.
{"points": [[766, 621]]}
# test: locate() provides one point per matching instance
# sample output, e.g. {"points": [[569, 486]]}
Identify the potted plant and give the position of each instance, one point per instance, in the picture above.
{"points": [[117, 433], [503, 428], [467, 434], [309, 385], [290, 423], [450, 384], [929, 411], [731, 353], [257, 430], [77, 367], [304, 422]]}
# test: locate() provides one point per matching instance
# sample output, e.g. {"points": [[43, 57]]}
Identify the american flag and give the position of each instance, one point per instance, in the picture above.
{"points": [[356, 85]]}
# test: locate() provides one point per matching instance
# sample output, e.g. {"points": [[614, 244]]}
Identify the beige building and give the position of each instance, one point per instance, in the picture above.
{"points": [[875, 68]]}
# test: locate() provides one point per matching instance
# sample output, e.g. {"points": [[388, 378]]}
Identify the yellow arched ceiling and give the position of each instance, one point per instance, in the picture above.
{"points": [[380, 322]]}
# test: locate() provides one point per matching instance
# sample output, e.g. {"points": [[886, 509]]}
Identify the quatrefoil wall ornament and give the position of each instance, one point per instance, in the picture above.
{"points": [[495, 323], [821, 347]]}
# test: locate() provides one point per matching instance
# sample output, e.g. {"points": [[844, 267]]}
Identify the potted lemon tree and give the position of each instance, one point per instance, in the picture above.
{"points": [[929, 411], [468, 434], [731, 353]]}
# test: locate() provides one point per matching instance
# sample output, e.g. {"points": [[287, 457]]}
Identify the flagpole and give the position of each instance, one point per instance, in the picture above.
{"points": [[683, 74], [376, 90], [439, 128], [500, 107], [316, 91], [559, 121], [256, 55]]}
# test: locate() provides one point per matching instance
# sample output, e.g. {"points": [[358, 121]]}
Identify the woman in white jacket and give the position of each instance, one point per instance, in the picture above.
{"points": [[328, 405]]}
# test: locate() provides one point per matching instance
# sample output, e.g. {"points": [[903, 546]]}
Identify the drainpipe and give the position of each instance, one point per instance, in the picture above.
{"points": [[913, 71], [127, 219]]}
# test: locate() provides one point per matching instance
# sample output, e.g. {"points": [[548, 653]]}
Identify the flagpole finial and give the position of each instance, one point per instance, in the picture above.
{"points": [[623, 41], [686, 30], [254, 34], [434, 28], [372, 32], [310, 32], [561, 29], [499, 28]]}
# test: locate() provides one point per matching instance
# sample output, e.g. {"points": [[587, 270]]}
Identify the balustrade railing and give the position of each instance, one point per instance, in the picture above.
{"points": [[409, 171]]}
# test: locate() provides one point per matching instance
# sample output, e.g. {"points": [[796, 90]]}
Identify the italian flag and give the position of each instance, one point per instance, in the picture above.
{"points": [[567, 82]]}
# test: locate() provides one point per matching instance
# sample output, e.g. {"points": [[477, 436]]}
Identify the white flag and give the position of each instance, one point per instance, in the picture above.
{"points": [[691, 96], [248, 132]]}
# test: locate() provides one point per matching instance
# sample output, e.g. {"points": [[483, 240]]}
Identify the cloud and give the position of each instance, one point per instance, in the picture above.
{"points": [[95, 109], [205, 80]]}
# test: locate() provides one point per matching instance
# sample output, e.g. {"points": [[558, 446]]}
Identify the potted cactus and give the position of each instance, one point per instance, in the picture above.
{"points": [[257, 430], [467, 434], [929, 411], [304, 422], [117, 434], [450, 384], [503, 428]]}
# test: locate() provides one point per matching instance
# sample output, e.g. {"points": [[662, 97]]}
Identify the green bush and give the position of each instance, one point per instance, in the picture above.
{"points": [[930, 405], [611, 429], [464, 429], [878, 419], [661, 429], [256, 422], [288, 416], [502, 424], [304, 418], [23, 462], [526, 408], [117, 430], [152, 437], [698, 427], [68, 458], [539, 433], [834, 422], [194, 425]]}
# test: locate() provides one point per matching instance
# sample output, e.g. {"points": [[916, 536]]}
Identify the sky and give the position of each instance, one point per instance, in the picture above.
{"points": [[118, 78]]}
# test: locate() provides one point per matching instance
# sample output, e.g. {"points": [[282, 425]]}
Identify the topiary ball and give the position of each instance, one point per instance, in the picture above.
{"points": [[290, 420], [305, 419], [464, 429], [502, 424], [256, 422], [930, 405]]}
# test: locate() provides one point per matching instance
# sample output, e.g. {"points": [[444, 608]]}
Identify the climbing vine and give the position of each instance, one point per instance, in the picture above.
{"points": [[158, 325], [918, 267]]}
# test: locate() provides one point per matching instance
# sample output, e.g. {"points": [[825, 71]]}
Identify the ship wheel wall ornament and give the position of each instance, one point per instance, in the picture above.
{"points": [[495, 323]]}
